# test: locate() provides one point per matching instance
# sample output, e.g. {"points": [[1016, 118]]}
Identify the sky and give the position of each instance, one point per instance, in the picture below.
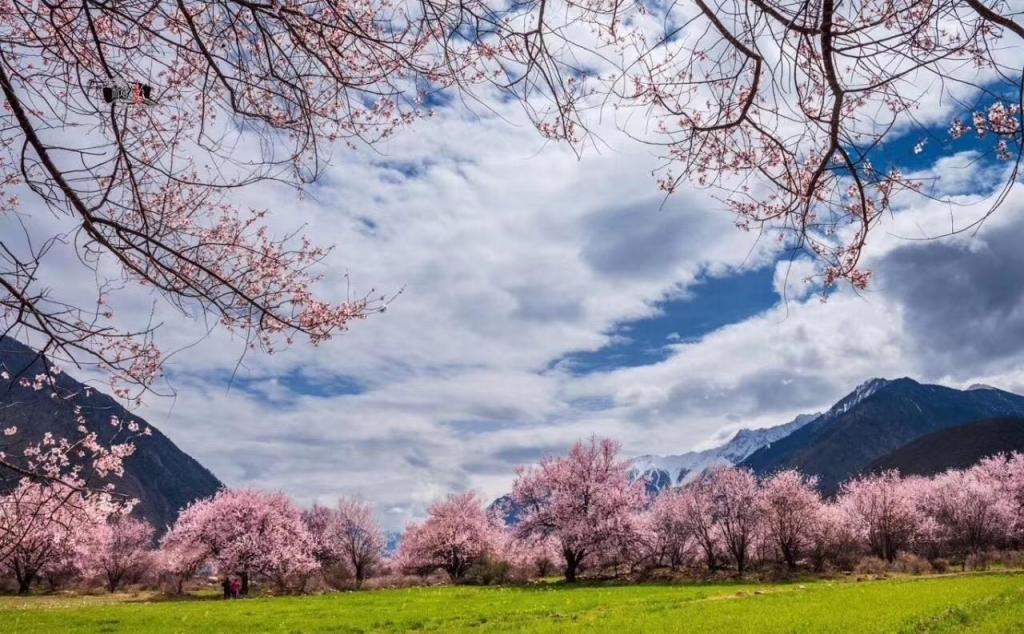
{"points": [[547, 297], [544, 297]]}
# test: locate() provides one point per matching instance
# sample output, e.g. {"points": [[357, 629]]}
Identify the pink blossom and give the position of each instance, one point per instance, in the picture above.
{"points": [[246, 533], [347, 536], [119, 551], [584, 501], [882, 510], [456, 535], [789, 505]]}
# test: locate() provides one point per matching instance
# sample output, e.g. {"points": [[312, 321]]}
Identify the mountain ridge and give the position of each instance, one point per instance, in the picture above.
{"points": [[955, 447], [875, 419], [159, 474]]}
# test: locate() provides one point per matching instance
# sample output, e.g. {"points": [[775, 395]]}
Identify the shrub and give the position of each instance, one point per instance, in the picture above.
{"points": [[1008, 558], [979, 561], [910, 563], [488, 572], [871, 566], [338, 576]]}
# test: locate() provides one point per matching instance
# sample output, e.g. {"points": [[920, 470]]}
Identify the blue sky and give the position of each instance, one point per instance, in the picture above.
{"points": [[713, 301]]}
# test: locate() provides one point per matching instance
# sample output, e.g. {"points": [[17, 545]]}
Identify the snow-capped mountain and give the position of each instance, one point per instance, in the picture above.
{"points": [[878, 423], [894, 405], [876, 419], [665, 471]]}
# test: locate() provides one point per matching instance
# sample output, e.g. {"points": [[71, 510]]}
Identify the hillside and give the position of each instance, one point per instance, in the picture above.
{"points": [[876, 419], [955, 448], [159, 474]]}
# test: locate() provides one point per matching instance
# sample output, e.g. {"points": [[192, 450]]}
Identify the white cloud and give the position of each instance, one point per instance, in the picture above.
{"points": [[795, 278]]}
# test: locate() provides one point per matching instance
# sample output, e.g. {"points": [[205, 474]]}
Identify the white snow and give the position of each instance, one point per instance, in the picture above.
{"points": [[741, 446]]}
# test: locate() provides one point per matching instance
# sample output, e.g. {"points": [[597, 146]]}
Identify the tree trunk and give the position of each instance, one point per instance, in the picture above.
{"points": [[790, 557], [570, 572], [25, 582], [244, 575], [709, 556], [572, 565]]}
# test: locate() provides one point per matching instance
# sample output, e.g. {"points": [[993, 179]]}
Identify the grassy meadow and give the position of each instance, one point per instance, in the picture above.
{"points": [[983, 602]]}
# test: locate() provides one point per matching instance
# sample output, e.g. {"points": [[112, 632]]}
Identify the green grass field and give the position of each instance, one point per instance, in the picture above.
{"points": [[955, 603]]}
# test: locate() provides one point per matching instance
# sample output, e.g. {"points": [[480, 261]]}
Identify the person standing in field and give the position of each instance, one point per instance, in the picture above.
{"points": [[226, 584], [236, 588]]}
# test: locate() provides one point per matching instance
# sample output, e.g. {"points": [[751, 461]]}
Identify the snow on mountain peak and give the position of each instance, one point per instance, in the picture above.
{"points": [[682, 468], [981, 386], [863, 391], [869, 387]]}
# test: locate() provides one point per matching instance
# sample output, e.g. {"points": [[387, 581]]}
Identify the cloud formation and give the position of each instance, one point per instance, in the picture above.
{"points": [[512, 255]]}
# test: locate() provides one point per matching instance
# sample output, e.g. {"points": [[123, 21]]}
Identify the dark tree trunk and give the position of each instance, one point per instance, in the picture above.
{"points": [[113, 581], [25, 580], [245, 583], [360, 566], [709, 555], [570, 572], [789, 556], [572, 565]]}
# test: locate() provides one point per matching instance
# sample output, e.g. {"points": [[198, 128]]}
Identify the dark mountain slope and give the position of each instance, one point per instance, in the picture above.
{"points": [[955, 448], [877, 418], [160, 475]]}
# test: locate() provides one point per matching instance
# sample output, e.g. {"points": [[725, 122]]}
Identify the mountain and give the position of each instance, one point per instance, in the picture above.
{"points": [[665, 471], [874, 420], [662, 472], [392, 542], [955, 448], [162, 477], [505, 509]]}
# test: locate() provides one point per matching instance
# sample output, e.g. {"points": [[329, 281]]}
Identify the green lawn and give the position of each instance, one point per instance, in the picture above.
{"points": [[955, 603]]}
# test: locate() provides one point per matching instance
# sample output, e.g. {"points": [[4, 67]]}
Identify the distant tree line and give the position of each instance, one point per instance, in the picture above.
{"points": [[581, 514]]}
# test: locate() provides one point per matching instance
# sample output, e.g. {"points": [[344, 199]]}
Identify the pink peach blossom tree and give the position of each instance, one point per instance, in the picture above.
{"points": [[833, 540], [671, 537], [456, 535], [969, 511], [44, 526], [882, 509], [1006, 474], [735, 511], [584, 501], [347, 535], [789, 504], [120, 550], [696, 509], [247, 533], [178, 560]]}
